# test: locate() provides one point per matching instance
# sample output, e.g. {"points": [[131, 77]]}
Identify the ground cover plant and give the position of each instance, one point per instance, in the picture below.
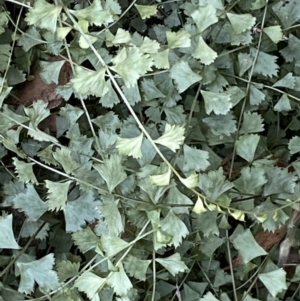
{"points": [[149, 150]]}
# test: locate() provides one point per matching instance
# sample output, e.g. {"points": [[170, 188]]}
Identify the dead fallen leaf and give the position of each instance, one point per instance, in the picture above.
{"points": [[37, 89]]}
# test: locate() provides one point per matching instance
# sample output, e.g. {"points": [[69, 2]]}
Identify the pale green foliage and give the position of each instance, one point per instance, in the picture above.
{"points": [[124, 61], [30, 40], [194, 159], [290, 52], [279, 181], [146, 11], [199, 207], [211, 244], [5, 90], [112, 245], [245, 62], [15, 76], [119, 281], [191, 181], [288, 13], [85, 239], [151, 191], [39, 271], [44, 15], [122, 36], [10, 119], [249, 298], [246, 146], [183, 75], [160, 59], [173, 264], [221, 124], [31, 227], [173, 226], [266, 64], [88, 82], [172, 138], [71, 113], [33, 209], [294, 145], [67, 269], [175, 142], [94, 14], [150, 90], [274, 33], [57, 194], [287, 82], [216, 102], [247, 246], [89, 283], [270, 216], [275, 281], [206, 223], [36, 114], [176, 197], [193, 290], [50, 71], [63, 156], [24, 171], [209, 297], [204, 53], [241, 22], [149, 46], [161, 179], [3, 22], [111, 171], [4, 58], [283, 104], [214, 184], [178, 39], [130, 146], [136, 267], [7, 239], [86, 205], [251, 180], [256, 95], [252, 123], [221, 278], [112, 217], [204, 17]]}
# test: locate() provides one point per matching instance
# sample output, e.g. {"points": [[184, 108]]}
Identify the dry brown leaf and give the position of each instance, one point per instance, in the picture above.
{"points": [[267, 239], [37, 89]]}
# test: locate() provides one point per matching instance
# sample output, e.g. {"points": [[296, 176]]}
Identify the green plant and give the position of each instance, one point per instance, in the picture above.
{"points": [[176, 142]]}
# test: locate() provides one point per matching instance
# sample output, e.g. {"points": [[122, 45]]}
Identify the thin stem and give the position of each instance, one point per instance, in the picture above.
{"points": [[154, 272], [193, 106], [12, 262], [247, 93], [123, 97], [231, 268], [12, 48], [102, 191], [88, 267], [256, 277], [19, 3], [295, 293], [207, 279], [265, 86], [121, 16], [23, 32], [182, 282], [8, 171]]}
